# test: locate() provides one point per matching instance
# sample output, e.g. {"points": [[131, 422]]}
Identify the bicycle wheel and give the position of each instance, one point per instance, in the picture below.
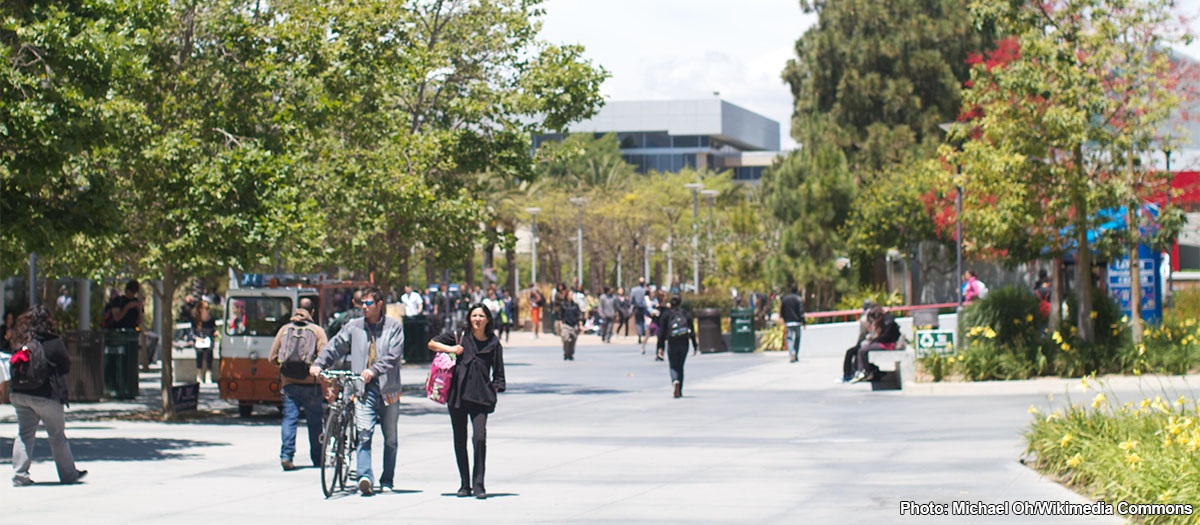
{"points": [[349, 439], [331, 457]]}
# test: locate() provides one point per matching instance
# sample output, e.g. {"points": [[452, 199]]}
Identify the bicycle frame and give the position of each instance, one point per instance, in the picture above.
{"points": [[340, 436]]}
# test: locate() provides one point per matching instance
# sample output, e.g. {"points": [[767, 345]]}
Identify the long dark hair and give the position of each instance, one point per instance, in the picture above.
{"points": [[491, 323], [33, 323]]}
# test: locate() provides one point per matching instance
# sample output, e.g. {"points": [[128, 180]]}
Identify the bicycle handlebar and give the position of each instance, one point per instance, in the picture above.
{"points": [[334, 374]]}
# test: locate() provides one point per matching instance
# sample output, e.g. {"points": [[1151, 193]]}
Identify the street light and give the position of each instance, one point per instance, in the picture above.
{"points": [[533, 247], [579, 202], [695, 187], [711, 194], [669, 247]]}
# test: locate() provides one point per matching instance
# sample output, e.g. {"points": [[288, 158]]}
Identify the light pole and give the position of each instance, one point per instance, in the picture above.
{"points": [[711, 194], [669, 248], [695, 187], [948, 127], [1170, 180], [579, 202], [533, 244]]}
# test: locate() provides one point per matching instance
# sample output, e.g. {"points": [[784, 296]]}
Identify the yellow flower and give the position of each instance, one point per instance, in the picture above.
{"points": [[1093, 314], [1066, 347], [1128, 445], [1033, 409], [1086, 385], [1057, 337], [1066, 439], [1054, 415], [1133, 459], [1124, 318], [1100, 399], [1017, 321], [1141, 349], [1075, 460], [1028, 318], [1145, 403], [1181, 401]]}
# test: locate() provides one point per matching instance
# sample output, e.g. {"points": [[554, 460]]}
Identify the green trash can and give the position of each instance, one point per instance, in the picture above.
{"points": [[416, 339], [121, 363], [742, 328]]}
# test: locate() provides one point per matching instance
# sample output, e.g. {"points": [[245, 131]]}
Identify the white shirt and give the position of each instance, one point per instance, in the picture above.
{"points": [[413, 304]]}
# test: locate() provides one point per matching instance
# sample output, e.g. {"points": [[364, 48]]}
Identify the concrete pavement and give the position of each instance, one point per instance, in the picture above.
{"points": [[598, 439]]}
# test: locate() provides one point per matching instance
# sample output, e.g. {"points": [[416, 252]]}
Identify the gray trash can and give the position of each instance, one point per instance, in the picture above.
{"points": [[416, 339]]}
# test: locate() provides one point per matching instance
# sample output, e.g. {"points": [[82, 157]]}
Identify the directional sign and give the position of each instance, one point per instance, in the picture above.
{"points": [[940, 341], [1120, 284]]}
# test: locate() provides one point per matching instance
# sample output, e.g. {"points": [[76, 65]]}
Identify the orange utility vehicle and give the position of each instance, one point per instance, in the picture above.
{"points": [[254, 313]]}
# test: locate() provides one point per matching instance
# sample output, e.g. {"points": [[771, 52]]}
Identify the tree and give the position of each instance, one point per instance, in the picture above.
{"points": [[1054, 119], [61, 116], [875, 79]]}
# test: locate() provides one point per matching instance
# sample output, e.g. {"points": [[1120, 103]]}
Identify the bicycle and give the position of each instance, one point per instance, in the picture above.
{"points": [[340, 435]]}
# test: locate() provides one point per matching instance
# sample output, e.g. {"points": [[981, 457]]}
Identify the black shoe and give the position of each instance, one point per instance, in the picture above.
{"points": [[479, 492], [678, 389], [79, 475], [464, 492]]}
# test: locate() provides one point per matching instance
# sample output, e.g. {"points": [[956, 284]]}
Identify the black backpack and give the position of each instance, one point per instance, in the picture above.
{"points": [[30, 368], [680, 325]]}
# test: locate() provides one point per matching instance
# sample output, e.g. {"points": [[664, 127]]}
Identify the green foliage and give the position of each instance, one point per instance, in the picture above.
{"points": [[1145, 452], [739, 262], [693, 302], [1104, 353], [853, 300], [809, 195], [1010, 312]]}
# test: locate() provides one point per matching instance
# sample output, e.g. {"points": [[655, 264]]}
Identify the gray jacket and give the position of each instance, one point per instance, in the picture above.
{"points": [[608, 306], [353, 340]]}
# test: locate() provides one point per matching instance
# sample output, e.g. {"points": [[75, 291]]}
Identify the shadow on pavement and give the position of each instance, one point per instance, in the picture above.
{"points": [[556, 388], [116, 449]]}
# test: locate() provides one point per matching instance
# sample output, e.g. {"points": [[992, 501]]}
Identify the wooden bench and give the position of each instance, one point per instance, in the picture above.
{"points": [[897, 368]]}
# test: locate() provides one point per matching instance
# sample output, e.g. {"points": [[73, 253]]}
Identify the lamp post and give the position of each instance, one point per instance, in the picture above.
{"points": [[669, 247], [533, 244], [711, 194], [1170, 180], [947, 127], [579, 202], [695, 188]]}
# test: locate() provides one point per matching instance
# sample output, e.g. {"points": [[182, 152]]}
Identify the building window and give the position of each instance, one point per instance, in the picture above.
{"points": [[686, 141], [630, 140], [657, 140]]}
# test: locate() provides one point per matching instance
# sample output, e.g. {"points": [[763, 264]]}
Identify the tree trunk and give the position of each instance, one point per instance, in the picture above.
{"points": [[1056, 295], [1135, 266], [166, 293], [431, 275], [510, 265]]}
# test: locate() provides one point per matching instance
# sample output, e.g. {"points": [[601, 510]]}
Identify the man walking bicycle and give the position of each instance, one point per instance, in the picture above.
{"points": [[374, 343]]}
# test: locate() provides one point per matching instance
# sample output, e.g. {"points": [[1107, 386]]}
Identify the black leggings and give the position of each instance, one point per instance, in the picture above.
{"points": [[458, 422], [677, 352], [848, 363], [204, 356]]}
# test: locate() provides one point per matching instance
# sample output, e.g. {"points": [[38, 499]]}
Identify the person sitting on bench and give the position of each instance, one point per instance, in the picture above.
{"points": [[849, 363], [884, 334]]}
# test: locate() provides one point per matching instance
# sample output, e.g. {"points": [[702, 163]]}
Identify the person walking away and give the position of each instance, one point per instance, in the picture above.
{"points": [[624, 311], [653, 302], [293, 351], [864, 329], [536, 302], [374, 343], [40, 365], [204, 331], [637, 299], [478, 377], [791, 311], [608, 315], [508, 315], [569, 322], [884, 334], [676, 329]]}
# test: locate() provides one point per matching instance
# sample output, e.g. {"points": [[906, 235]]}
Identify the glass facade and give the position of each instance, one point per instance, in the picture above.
{"points": [[652, 151]]}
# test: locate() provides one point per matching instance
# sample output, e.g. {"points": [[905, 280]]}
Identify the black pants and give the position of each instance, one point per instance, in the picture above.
{"points": [[458, 421], [864, 364], [677, 352], [204, 357], [848, 364], [623, 322]]}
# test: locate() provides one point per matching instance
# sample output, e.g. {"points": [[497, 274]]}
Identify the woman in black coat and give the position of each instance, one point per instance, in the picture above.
{"points": [[478, 377]]}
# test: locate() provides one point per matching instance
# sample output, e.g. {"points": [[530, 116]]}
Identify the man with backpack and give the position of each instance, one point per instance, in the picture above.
{"points": [[676, 329], [294, 351]]}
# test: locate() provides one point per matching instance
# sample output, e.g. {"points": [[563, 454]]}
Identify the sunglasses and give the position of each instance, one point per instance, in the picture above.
{"points": [[368, 303]]}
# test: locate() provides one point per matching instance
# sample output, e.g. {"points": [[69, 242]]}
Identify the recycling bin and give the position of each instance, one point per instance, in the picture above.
{"points": [[121, 363], [741, 326]]}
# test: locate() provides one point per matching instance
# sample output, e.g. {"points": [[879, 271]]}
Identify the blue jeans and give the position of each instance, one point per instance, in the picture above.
{"points": [[792, 335], [369, 411], [295, 397]]}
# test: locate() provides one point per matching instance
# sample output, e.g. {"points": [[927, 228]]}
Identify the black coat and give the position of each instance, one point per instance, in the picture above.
{"points": [[55, 386], [478, 372]]}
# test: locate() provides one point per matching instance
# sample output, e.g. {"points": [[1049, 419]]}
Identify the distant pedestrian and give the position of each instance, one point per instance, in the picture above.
{"points": [[637, 299], [39, 392], [374, 343], [536, 302], [508, 316], [624, 311], [64, 299], [675, 331], [654, 301], [414, 304], [478, 377], [570, 321], [124, 311], [972, 287], [791, 311], [295, 348], [607, 307], [204, 332]]}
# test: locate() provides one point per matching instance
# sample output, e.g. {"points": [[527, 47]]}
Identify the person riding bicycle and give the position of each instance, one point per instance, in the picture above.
{"points": [[375, 344]]}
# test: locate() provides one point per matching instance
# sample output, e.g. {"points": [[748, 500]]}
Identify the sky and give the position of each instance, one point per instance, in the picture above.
{"points": [[677, 49]]}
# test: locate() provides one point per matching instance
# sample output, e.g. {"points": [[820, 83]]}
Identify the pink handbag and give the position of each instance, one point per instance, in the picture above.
{"points": [[441, 372]]}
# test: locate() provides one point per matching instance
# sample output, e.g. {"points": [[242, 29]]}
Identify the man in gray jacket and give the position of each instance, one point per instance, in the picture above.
{"points": [[374, 343], [608, 315]]}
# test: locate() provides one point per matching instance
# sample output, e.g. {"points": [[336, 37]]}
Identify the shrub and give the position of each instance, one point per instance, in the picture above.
{"points": [[1003, 332], [1145, 453], [854, 299], [1103, 354]]}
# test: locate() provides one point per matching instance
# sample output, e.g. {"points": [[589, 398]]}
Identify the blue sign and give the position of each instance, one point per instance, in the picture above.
{"points": [[1120, 284]]}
